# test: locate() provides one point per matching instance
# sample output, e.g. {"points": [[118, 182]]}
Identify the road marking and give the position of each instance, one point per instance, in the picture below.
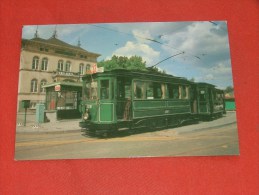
{"points": [[224, 146]]}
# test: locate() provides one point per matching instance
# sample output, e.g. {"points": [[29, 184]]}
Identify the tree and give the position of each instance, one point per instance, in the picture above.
{"points": [[192, 79], [229, 92], [229, 89], [123, 62]]}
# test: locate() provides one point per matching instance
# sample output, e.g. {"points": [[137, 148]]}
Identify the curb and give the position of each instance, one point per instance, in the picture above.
{"points": [[50, 127]]}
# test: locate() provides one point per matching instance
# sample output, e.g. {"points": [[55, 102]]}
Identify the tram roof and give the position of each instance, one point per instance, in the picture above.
{"points": [[205, 84], [141, 74]]}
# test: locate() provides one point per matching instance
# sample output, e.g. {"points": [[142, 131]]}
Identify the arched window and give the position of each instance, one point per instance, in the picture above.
{"points": [[43, 82], [68, 66], [44, 64], [35, 63], [60, 65], [88, 68], [34, 85], [81, 68]]}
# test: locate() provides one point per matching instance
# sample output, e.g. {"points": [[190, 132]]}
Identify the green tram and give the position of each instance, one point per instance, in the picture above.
{"points": [[120, 99]]}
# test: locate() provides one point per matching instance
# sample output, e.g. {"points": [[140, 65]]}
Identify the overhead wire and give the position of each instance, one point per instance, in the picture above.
{"points": [[130, 34], [198, 57], [145, 38]]}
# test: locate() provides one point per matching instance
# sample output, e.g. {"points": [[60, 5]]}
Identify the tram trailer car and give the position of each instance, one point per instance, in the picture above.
{"points": [[120, 99]]}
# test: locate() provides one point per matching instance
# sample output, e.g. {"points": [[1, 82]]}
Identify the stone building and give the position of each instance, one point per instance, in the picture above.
{"points": [[46, 61]]}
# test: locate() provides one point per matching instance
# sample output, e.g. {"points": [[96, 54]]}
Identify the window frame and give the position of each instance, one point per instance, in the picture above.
{"points": [[139, 85], [44, 64], [34, 86], [68, 66], [35, 63], [42, 83], [173, 91], [105, 95], [61, 65], [81, 68]]}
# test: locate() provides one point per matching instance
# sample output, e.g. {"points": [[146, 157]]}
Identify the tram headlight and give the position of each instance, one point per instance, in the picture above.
{"points": [[86, 114]]}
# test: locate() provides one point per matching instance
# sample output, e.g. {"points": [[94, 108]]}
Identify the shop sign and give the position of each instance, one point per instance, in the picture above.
{"points": [[57, 87], [93, 69]]}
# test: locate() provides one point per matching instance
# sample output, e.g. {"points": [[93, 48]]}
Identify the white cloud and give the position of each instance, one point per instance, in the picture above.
{"points": [[209, 77], [221, 69], [199, 39], [139, 49], [218, 75]]}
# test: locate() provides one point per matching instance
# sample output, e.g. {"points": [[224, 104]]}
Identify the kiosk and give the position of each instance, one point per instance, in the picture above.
{"points": [[62, 100]]}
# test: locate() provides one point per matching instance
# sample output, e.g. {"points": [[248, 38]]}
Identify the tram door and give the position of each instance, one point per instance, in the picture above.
{"points": [[123, 107], [211, 100], [193, 99], [203, 100]]}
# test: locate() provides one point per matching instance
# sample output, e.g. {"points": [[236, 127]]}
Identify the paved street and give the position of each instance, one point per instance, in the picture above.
{"points": [[217, 137]]}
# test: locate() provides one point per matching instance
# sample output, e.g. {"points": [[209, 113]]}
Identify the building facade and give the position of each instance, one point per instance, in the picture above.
{"points": [[45, 61]]}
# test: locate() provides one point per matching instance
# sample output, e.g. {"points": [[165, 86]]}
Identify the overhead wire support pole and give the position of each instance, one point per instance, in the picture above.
{"points": [[167, 59]]}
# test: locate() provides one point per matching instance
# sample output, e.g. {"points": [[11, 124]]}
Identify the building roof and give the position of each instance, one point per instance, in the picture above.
{"points": [[53, 41]]}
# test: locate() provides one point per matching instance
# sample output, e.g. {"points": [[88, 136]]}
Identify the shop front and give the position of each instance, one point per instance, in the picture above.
{"points": [[62, 100]]}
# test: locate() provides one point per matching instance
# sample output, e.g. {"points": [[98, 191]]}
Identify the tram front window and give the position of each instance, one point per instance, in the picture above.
{"points": [[104, 89], [91, 90]]}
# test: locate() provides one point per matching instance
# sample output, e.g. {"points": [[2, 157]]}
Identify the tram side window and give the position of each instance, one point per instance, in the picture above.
{"points": [[121, 91], [124, 89], [90, 90], [219, 96], [150, 91], [214, 95], [127, 90], [87, 90], [138, 90], [157, 91], [104, 89], [173, 91]]}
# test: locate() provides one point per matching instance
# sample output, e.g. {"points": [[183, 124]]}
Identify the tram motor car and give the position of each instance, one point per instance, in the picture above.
{"points": [[128, 99]]}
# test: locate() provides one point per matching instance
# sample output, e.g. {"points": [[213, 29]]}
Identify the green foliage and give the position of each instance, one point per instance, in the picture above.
{"points": [[131, 63], [118, 62], [192, 79], [229, 89], [156, 70]]}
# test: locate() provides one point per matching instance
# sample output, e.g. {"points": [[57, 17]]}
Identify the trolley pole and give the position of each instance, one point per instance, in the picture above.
{"points": [[167, 59]]}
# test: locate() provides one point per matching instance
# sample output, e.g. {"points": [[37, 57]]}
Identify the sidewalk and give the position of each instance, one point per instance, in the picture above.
{"points": [[48, 127]]}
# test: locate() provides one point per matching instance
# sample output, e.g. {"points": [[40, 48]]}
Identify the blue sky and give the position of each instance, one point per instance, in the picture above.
{"points": [[203, 47]]}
